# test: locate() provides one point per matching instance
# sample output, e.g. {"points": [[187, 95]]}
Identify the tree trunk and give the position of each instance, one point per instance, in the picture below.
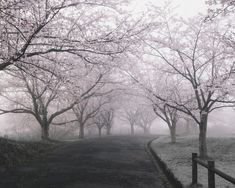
{"points": [[108, 130], [132, 130], [146, 131], [188, 127], [173, 134], [100, 132], [81, 131], [45, 132], [202, 136]]}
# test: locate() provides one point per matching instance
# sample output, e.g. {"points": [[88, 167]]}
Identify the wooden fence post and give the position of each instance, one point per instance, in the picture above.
{"points": [[211, 174], [194, 168]]}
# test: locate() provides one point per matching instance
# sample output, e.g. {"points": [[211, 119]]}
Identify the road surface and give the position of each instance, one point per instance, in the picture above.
{"points": [[109, 162]]}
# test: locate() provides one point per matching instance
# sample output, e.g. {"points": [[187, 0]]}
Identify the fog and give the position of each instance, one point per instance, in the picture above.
{"points": [[110, 68], [220, 124], [97, 93]]}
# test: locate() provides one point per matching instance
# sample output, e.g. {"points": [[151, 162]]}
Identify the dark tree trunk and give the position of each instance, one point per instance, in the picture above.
{"points": [[173, 134], [100, 132], [173, 128], [132, 129], [108, 130], [202, 136], [45, 132], [81, 131], [146, 131]]}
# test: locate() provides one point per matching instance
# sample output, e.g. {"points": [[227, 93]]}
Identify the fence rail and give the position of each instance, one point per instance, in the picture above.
{"points": [[210, 165]]}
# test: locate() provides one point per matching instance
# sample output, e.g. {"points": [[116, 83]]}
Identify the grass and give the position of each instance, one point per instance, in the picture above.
{"points": [[178, 157], [16, 152]]}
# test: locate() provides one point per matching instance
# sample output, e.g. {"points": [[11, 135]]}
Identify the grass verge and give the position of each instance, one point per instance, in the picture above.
{"points": [[17, 152], [177, 158]]}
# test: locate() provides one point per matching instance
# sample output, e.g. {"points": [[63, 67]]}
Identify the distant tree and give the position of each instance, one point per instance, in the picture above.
{"points": [[108, 116], [145, 119], [85, 111], [130, 116], [190, 124], [151, 84], [168, 115], [99, 123]]}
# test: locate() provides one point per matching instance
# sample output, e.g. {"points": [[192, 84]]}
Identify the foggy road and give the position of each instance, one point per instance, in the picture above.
{"points": [[109, 162]]}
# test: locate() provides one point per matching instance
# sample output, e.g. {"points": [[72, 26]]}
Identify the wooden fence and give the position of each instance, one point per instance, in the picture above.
{"points": [[210, 165]]}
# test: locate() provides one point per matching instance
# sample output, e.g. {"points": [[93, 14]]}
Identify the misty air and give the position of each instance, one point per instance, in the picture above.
{"points": [[117, 94]]}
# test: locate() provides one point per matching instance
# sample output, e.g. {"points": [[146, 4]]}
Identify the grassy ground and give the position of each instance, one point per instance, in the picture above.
{"points": [[15, 152], [178, 158]]}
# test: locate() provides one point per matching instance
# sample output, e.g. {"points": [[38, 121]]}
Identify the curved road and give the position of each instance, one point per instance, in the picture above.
{"points": [[109, 162]]}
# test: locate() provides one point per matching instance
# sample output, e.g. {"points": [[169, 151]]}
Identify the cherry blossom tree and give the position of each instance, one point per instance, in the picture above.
{"points": [[38, 98], [21, 22], [46, 96], [204, 70], [220, 7], [81, 80], [93, 31]]}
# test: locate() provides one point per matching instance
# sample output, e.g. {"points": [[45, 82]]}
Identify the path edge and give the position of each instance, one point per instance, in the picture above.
{"points": [[158, 162]]}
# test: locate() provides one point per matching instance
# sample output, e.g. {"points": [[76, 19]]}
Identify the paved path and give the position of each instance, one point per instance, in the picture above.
{"points": [[110, 162]]}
